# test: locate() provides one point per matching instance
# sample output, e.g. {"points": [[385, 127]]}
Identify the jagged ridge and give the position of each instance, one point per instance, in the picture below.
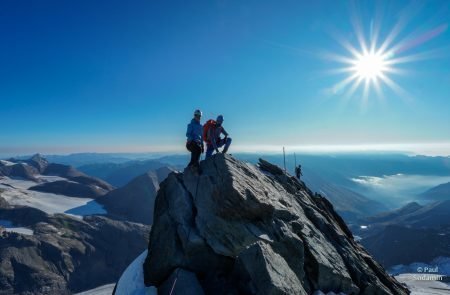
{"points": [[243, 229]]}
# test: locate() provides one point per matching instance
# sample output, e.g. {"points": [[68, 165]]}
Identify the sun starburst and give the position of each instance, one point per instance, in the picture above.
{"points": [[372, 65]]}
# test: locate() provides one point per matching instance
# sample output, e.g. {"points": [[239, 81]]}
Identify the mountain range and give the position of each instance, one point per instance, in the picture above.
{"points": [[119, 174], [413, 233], [71, 182], [56, 237]]}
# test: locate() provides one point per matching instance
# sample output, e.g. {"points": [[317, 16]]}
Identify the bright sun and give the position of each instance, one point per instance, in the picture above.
{"points": [[369, 66]]}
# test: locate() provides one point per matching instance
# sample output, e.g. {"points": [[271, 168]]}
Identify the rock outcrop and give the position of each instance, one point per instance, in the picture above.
{"points": [[242, 229]]}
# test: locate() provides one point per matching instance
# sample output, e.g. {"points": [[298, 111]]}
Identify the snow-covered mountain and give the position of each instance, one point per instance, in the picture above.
{"points": [[53, 237]]}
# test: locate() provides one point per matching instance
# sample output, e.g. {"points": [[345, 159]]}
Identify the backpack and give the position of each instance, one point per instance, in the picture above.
{"points": [[208, 125]]}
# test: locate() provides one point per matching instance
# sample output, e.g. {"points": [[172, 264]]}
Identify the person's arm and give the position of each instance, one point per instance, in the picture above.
{"points": [[224, 132], [189, 132]]}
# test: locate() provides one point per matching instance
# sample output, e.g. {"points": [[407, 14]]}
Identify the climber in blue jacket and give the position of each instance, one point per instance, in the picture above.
{"points": [[194, 142]]}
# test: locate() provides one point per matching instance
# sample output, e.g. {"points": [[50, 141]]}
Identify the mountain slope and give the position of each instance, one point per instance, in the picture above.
{"points": [[64, 254], [403, 245], [134, 201], [241, 229], [390, 216], [440, 192], [432, 215], [349, 204], [413, 233]]}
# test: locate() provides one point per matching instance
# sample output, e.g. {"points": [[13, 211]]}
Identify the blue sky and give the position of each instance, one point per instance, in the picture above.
{"points": [[126, 75]]}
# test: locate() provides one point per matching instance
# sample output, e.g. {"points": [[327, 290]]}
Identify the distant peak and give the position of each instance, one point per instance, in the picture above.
{"points": [[39, 162], [37, 157]]}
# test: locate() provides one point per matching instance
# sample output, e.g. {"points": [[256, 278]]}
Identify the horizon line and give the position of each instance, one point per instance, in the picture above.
{"points": [[412, 149]]}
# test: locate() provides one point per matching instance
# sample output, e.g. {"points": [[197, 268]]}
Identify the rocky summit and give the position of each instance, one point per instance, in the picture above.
{"points": [[242, 229]]}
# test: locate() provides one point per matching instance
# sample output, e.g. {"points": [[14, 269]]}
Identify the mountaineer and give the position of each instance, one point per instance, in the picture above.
{"points": [[298, 171], [194, 142], [212, 131]]}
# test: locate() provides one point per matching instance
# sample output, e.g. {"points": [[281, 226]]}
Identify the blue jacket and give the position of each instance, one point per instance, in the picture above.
{"points": [[195, 132]]}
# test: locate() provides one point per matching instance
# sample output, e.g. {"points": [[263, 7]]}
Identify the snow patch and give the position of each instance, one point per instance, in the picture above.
{"points": [[9, 227], [132, 280], [90, 208], [7, 163], [16, 192], [419, 286], [51, 178], [17, 183]]}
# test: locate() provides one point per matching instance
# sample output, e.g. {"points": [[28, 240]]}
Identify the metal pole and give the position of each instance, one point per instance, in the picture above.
{"points": [[295, 160], [284, 160]]}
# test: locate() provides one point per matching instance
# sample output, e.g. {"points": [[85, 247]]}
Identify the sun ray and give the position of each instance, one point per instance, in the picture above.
{"points": [[357, 26], [340, 70], [378, 89], [419, 56], [402, 93], [343, 83], [337, 58], [365, 98], [354, 86], [345, 43]]}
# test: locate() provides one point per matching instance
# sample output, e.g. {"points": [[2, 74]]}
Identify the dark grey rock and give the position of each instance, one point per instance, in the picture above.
{"points": [[244, 229], [268, 271]]}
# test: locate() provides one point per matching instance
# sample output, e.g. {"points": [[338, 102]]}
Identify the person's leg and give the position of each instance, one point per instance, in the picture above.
{"points": [[227, 145], [197, 151], [220, 143], [189, 148], [209, 151]]}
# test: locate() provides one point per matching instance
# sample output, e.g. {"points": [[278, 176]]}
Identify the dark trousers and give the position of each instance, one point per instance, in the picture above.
{"points": [[196, 151]]}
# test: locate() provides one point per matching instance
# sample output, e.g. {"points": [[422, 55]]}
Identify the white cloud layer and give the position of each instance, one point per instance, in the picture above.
{"points": [[400, 185]]}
